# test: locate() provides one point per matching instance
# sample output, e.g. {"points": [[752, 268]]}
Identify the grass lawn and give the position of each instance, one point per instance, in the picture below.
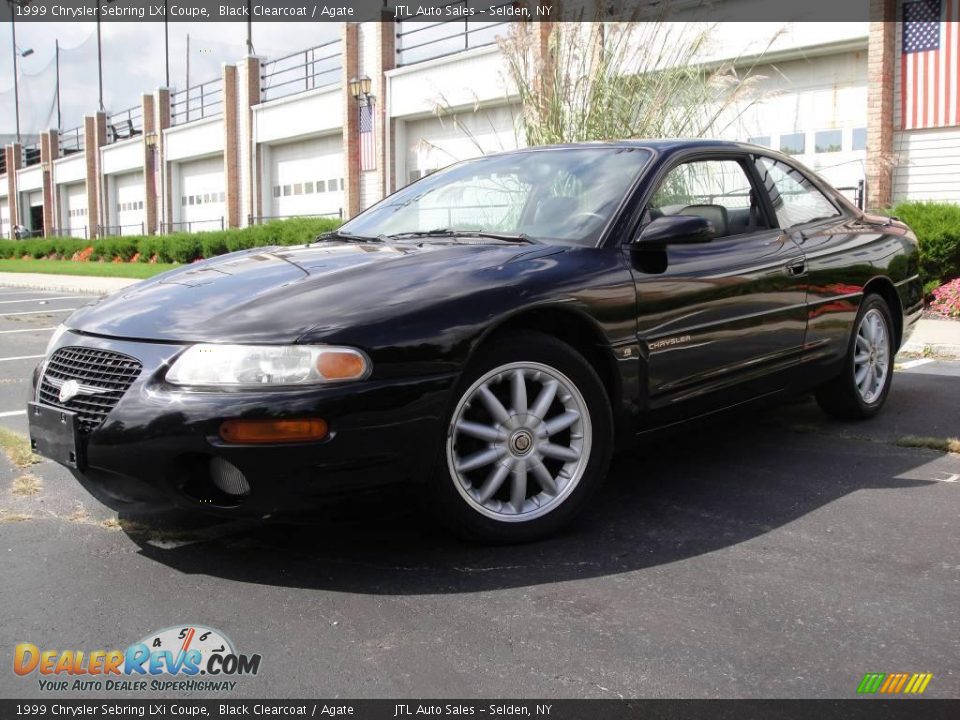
{"points": [[69, 267]]}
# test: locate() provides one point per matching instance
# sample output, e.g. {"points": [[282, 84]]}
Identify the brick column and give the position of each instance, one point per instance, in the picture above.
{"points": [[243, 184], [49, 151], [163, 200], [231, 130], [351, 120], [94, 138], [386, 60], [881, 69], [14, 154], [149, 115]]}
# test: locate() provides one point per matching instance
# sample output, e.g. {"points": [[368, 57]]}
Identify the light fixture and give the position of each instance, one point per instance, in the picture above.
{"points": [[360, 89]]}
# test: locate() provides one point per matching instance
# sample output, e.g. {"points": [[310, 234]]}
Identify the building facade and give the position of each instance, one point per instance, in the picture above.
{"points": [[330, 130]]}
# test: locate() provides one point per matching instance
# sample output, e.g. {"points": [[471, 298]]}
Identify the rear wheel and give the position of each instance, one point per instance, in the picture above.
{"points": [[527, 442], [861, 389]]}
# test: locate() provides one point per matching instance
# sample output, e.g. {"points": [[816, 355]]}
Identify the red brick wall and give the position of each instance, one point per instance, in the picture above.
{"points": [[49, 151], [94, 137], [148, 105], [231, 172], [881, 67], [351, 139]]}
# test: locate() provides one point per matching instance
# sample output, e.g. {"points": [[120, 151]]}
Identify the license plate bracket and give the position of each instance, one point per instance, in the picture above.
{"points": [[54, 433]]}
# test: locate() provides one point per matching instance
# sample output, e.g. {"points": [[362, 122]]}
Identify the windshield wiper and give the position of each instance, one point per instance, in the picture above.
{"points": [[449, 232], [345, 236]]}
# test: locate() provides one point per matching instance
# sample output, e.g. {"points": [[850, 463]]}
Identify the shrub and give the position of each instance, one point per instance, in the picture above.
{"points": [[946, 299], [937, 226], [179, 247]]}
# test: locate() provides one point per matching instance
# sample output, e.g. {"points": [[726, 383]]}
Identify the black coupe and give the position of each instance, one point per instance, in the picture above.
{"points": [[491, 332]]}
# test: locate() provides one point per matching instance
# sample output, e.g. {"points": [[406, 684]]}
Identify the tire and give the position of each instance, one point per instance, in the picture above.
{"points": [[509, 470], [846, 398]]}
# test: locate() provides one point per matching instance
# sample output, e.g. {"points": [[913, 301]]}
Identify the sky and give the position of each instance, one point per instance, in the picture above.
{"points": [[133, 61]]}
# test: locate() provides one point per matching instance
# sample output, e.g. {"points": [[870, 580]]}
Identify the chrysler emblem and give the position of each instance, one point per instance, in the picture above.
{"points": [[69, 390]]}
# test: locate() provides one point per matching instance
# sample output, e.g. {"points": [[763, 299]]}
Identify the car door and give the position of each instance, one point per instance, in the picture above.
{"points": [[721, 321], [840, 255]]}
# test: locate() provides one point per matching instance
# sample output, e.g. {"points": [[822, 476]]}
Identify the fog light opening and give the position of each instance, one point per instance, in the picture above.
{"points": [[228, 479]]}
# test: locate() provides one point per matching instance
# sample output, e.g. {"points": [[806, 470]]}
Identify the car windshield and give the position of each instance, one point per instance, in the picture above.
{"points": [[566, 195]]}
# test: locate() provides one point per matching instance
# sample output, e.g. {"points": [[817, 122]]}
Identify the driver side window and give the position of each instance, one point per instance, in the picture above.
{"points": [[717, 190]]}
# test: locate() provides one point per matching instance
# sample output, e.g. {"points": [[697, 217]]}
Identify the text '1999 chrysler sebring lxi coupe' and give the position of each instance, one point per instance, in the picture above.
{"points": [[489, 333]]}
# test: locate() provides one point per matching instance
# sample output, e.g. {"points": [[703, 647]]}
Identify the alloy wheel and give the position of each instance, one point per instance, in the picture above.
{"points": [[871, 358], [519, 441]]}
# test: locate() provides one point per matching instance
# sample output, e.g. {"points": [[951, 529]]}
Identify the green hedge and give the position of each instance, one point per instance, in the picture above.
{"points": [[178, 247], [937, 226]]}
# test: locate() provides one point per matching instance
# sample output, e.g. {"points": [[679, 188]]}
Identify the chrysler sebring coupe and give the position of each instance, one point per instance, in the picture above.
{"points": [[489, 334]]}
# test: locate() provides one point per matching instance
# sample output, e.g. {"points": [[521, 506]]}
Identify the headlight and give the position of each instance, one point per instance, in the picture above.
{"points": [[255, 366], [55, 338]]}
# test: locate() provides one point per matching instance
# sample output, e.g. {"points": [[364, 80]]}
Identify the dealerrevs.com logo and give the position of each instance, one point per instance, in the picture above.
{"points": [[183, 658]]}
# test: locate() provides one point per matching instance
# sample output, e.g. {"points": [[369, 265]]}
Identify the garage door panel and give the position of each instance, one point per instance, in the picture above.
{"points": [[74, 216], [306, 177], [4, 217], [202, 193], [434, 143], [128, 208]]}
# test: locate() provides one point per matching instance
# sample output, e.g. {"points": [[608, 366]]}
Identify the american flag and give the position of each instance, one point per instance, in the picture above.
{"points": [[930, 64], [367, 138]]}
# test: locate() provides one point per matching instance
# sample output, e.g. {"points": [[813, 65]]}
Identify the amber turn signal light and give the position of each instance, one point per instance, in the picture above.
{"points": [[341, 365], [273, 431]]}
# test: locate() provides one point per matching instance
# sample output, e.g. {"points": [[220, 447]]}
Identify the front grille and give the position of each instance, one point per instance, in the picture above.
{"points": [[110, 374]]}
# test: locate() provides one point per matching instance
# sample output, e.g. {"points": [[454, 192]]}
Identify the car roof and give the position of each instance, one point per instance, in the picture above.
{"points": [[658, 145], [651, 143]]}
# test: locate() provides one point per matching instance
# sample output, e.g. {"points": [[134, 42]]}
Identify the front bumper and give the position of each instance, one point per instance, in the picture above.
{"points": [[155, 447]]}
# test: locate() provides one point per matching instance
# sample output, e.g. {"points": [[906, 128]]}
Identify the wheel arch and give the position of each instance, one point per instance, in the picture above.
{"points": [[885, 288], [569, 326]]}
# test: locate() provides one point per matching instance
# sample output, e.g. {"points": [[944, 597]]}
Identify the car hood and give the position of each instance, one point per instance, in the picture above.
{"points": [[273, 295]]}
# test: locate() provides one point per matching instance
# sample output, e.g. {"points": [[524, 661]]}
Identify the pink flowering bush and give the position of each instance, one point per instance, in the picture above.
{"points": [[946, 299]]}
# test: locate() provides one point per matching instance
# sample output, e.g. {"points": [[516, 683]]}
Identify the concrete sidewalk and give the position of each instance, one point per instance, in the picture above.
{"points": [[935, 337], [65, 283]]}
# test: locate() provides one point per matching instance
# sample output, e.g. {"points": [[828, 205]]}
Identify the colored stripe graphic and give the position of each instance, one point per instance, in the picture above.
{"points": [[871, 682], [894, 683]]}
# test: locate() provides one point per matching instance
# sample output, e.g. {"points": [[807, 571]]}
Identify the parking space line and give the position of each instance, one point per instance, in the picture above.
{"points": [[915, 363], [12, 413], [40, 312], [43, 299], [21, 357], [41, 329]]}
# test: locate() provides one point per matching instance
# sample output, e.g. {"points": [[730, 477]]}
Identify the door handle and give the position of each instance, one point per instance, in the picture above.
{"points": [[797, 268]]}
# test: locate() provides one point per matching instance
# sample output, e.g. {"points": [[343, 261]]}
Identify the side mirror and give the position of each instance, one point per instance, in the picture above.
{"points": [[674, 230]]}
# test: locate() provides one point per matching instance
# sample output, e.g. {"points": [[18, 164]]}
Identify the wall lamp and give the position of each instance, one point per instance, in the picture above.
{"points": [[360, 89]]}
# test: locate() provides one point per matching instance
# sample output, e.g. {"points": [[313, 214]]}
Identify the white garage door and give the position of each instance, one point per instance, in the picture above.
{"points": [[202, 194], [434, 143], [128, 209], [4, 217], [306, 177], [74, 209]]}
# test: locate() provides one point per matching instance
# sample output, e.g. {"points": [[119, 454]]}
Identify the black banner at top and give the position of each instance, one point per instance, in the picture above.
{"points": [[318, 11]]}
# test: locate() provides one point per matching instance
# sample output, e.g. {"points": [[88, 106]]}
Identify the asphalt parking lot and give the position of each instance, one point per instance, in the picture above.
{"points": [[779, 554]]}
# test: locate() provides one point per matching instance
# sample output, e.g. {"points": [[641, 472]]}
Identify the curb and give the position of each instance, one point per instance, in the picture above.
{"points": [[937, 350], [65, 283]]}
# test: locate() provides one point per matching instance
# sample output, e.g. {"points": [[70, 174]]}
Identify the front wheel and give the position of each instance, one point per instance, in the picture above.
{"points": [[861, 389], [527, 442]]}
